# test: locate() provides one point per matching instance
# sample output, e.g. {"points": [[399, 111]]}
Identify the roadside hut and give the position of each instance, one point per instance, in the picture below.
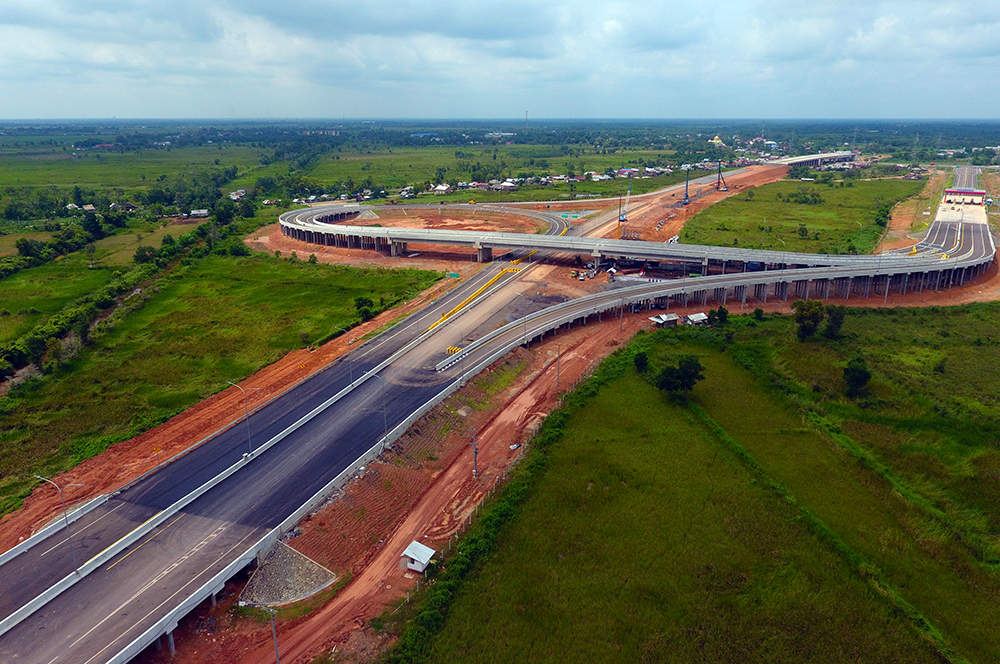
{"points": [[419, 556]]}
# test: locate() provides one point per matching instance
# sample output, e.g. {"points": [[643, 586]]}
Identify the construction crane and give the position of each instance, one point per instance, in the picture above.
{"points": [[687, 177], [623, 212], [720, 184]]}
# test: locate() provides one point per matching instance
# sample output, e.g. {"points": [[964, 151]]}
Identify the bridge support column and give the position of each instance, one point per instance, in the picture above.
{"points": [[484, 254], [902, 286], [170, 643], [397, 249], [158, 644], [704, 266], [211, 598]]}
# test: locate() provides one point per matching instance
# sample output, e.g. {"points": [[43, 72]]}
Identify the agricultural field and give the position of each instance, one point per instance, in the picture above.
{"points": [[801, 216], [129, 171], [769, 517], [213, 320], [31, 296], [8, 242]]}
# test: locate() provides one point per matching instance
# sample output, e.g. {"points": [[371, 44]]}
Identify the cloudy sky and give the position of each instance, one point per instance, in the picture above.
{"points": [[499, 59]]}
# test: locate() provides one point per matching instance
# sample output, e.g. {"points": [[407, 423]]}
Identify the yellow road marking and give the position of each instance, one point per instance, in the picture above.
{"points": [[144, 543]]}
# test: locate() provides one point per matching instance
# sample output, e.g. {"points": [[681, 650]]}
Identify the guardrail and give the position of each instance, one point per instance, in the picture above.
{"points": [[213, 585], [631, 295]]}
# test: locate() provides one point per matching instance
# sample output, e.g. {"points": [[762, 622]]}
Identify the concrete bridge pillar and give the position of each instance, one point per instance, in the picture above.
{"points": [[484, 254], [170, 643]]}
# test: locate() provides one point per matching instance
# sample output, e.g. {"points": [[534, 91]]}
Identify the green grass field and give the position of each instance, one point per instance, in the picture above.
{"points": [[647, 541], [31, 296], [7, 242], [215, 320], [129, 171], [844, 220], [772, 519]]}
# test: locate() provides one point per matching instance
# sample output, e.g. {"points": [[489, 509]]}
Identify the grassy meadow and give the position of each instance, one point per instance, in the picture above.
{"points": [[31, 296], [767, 518], [97, 169], [213, 320], [648, 541], [760, 217]]}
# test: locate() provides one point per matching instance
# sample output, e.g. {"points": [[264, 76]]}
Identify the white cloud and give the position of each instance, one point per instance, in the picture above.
{"points": [[455, 58]]}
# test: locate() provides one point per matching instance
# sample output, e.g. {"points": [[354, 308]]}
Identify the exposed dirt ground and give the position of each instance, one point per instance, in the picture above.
{"points": [[423, 490]]}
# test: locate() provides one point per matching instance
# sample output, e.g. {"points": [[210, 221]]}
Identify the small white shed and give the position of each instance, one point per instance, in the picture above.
{"points": [[419, 556], [699, 318]]}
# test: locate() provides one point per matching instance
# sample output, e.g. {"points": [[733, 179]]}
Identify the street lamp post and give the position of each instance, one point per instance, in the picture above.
{"points": [[524, 323], [274, 633], [385, 421], [246, 411], [558, 357], [475, 454], [69, 533], [350, 358]]}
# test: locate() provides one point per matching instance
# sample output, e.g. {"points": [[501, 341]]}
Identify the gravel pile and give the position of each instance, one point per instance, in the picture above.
{"points": [[285, 576]]}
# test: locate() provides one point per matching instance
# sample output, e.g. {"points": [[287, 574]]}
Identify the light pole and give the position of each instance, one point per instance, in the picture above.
{"points": [[524, 322], [274, 633], [558, 357], [385, 421], [475, 454], [350, 358], [246, 411], [69, 533], [621, 315]]}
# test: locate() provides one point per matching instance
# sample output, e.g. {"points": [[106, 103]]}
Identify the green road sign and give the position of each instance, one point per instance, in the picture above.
{"points": [[454, 275]]}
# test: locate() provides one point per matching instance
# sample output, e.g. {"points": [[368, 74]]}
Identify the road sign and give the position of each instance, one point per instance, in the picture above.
{"points": [[454, 275]]}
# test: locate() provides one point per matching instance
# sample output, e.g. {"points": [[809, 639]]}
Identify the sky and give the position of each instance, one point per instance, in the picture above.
{"points": [[498, 59]]}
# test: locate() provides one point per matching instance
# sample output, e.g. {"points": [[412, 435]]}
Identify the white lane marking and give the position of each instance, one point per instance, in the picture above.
{"points": [[82, 529], [179, 590], [153, 581]]}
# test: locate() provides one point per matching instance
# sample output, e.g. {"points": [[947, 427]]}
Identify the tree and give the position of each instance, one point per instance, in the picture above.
{"points": [[91, 250], [808, 315], [641, 361], [247, 208], [366, 314], [92, 225], [168, 240], [144, 254], [683, 377], [225, 212], [857, 375], [362, 302], [723, 315], [312, 259], [758, 313], [835, 315]]}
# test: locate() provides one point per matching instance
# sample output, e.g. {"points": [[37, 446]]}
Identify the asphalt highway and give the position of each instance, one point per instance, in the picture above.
{"points": [[108, 607]]}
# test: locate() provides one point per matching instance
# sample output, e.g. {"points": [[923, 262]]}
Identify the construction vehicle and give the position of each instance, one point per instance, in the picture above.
{"points": [[720, 184]]}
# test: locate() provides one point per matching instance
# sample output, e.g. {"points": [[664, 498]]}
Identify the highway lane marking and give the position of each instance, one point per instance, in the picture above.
{"points": [[176, 592], [121, 505], [123, 537], [158, 533], [152, 582], [53, 659]]}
